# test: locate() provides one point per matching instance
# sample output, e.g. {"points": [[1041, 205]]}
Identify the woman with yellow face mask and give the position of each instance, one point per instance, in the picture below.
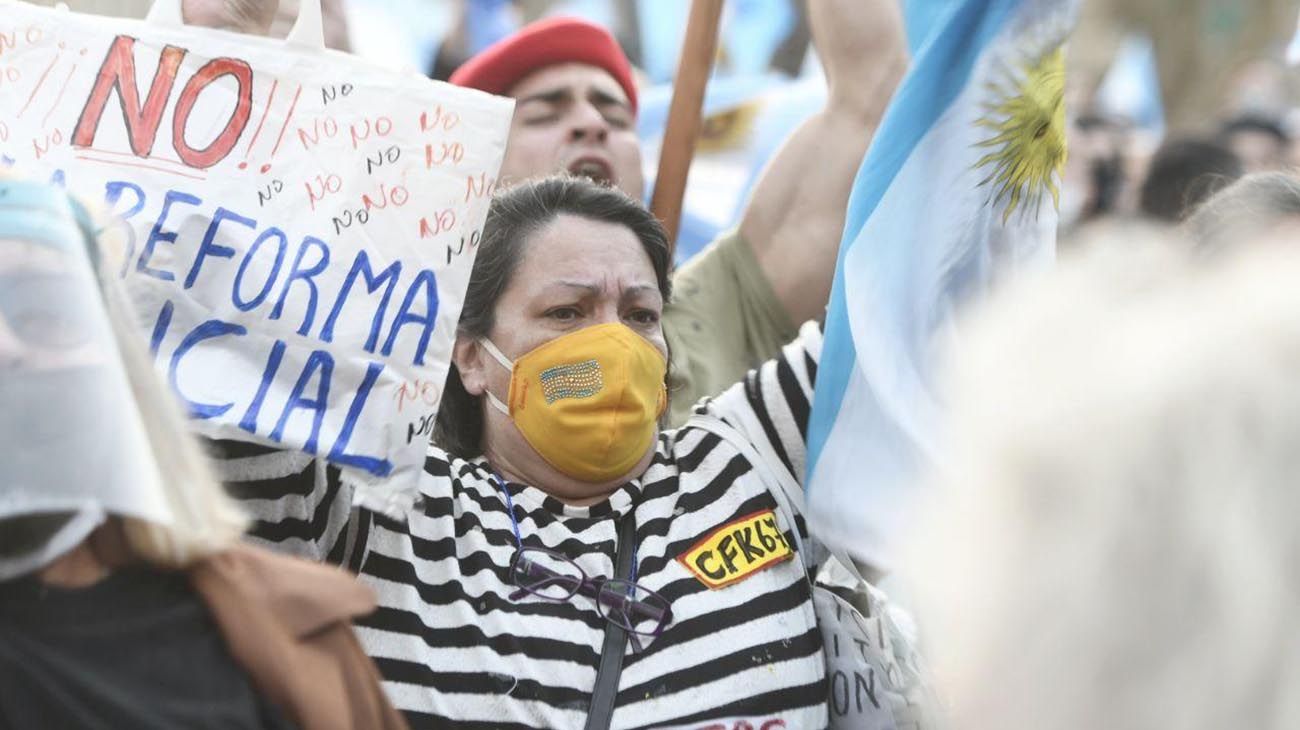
{"points": [[572, 565]]}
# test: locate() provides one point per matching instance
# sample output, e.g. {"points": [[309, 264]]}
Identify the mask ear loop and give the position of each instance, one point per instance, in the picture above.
{"points": [[504, 362]]}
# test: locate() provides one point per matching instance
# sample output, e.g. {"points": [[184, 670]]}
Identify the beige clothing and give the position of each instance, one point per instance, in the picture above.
{"points": [[723, 320], [288, 623]]}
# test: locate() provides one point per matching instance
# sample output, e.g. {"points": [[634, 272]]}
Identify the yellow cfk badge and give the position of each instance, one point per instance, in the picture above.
{"points": [[737, 550]]}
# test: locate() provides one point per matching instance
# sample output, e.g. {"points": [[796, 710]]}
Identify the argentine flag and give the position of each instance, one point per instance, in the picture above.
{"points": [[958, 189]]}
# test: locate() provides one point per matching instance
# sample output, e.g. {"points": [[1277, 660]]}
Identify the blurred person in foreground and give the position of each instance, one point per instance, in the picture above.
{"points": [[1114, 544], [743, 298], [1265, 204], [1184, 172], [126, 599]]}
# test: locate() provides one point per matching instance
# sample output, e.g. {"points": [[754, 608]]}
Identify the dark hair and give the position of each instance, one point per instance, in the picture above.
{"points": [[514, 216], [1184, 172], [1254, 123], [1253, 204]]}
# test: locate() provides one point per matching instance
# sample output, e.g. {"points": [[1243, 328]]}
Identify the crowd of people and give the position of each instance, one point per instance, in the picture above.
{"points": [[1110, 544]]}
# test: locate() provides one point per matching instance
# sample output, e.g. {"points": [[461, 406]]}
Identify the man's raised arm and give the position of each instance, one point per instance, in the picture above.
{"points": [[795, 217]]}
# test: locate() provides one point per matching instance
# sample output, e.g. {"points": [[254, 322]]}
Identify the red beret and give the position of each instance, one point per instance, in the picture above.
{"points": [[546, 43]]}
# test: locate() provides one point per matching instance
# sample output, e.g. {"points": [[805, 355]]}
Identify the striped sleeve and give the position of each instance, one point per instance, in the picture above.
{"points": [[298, 504], [772, 404]]}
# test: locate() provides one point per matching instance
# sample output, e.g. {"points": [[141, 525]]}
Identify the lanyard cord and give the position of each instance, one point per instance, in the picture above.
{"points": [[514, 524], [510, 509], [605, 691]]}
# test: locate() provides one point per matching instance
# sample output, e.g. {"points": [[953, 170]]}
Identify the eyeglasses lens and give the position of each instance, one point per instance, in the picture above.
{"points": [[634, 608], [546, 575]]}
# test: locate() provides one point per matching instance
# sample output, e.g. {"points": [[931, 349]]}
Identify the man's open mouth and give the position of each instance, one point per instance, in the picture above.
{"points": [[593, 169]]}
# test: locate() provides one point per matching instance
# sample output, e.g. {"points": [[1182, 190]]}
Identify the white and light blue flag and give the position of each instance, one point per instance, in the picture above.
{"points": [[958, 189]]}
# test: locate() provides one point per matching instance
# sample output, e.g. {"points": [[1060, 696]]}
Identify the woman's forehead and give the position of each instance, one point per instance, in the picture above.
{"points": [[572, 248]]}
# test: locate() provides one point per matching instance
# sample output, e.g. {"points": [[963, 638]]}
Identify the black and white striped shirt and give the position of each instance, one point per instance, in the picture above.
{"points": [[454, 650]]}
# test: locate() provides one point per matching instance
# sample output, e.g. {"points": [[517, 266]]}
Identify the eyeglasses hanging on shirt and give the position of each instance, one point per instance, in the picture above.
{"points": [[553, 576]]}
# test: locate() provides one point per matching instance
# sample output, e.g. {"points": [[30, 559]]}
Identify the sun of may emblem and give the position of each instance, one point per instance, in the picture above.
{"points": [[1026, 150]]}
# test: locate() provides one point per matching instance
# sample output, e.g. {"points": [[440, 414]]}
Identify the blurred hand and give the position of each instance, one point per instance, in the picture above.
{"points": [[243, 16], [863, 49]]}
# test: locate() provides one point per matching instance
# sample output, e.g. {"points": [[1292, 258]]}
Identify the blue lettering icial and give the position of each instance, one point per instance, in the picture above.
{"points": [[209, 330], [249, 421], [318, 360], [319, 366], [338, 454]]}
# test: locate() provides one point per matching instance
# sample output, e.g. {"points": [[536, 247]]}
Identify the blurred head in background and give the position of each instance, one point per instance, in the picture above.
{"points": [[1113, 542], [1184, 172], [1258, 141], [1094, 171]]}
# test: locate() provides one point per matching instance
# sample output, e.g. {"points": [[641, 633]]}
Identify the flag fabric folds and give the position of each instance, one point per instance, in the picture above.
{"points": [[958, 189]]}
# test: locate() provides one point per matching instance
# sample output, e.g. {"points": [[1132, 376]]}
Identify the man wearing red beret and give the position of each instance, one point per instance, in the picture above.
{"points": [[741, 299]]}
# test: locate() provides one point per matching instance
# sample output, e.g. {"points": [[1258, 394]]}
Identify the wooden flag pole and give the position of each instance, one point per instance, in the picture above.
{"points": [[685, 115]]}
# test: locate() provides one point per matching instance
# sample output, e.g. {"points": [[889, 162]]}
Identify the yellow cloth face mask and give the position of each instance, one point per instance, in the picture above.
{"points": [[588, 402]]}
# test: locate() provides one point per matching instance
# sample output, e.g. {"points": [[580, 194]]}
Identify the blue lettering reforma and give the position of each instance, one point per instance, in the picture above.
{"points": [[209, 246], [361, 266], [282, 245], [425, 279], [157, 235], [112, 195], [305, 273]]}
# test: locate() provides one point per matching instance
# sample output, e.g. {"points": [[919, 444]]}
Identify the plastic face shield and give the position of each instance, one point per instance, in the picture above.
{"points": [[74, 447]]}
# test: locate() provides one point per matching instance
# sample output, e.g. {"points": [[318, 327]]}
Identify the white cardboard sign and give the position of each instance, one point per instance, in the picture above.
{"points": [[299, 225]]}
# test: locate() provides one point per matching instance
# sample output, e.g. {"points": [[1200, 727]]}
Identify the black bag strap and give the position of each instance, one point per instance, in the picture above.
{"points": [[611, 655]]}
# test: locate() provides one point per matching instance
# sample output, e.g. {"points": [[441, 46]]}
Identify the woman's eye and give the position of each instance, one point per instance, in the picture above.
{"points": [[644, 316], [563, 314], [539, 121], [617, 122]]}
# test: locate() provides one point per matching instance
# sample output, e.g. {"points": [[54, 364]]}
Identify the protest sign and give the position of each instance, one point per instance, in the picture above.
{"points": [[299, 225]]}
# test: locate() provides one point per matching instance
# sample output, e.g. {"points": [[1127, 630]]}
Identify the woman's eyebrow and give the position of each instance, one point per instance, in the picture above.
{"points": [[593, 289], [637, 290], [640, 288], [587, 287]]}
